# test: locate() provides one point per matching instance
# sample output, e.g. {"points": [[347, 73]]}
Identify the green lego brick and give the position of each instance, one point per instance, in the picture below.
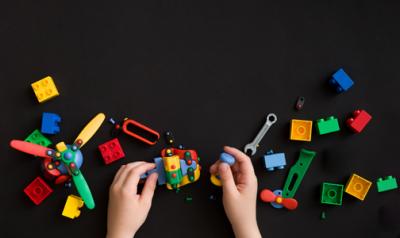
{"points": [[332, 194], [38, 138], [328, 125], [389, 183]]}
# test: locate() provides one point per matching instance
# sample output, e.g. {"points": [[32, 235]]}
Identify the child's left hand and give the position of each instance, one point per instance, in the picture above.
{"points": [[128, 210]]}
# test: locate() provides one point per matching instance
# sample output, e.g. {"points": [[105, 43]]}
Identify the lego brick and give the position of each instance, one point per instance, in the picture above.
{"points": [[111, 151], [185, 166], [37, 138], [341, 81], [227, 158], [72, 206], [50, 123], [386, 184], [274, 161], [38, 190], [358, 187], [332, 194], [160, 170], [45, 89], [359, 121], [300, 130], [328, 125]]}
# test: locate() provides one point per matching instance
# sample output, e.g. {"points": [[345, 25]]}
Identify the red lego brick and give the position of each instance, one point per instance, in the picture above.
{"points": [[359, 120], [111, 151], [38, 190]]}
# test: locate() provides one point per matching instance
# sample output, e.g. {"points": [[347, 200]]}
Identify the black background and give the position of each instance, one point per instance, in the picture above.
{"points": [[209, 71]]}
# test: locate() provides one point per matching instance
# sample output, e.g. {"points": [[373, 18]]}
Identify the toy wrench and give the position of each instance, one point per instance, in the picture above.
{"points": [[252, 147]]}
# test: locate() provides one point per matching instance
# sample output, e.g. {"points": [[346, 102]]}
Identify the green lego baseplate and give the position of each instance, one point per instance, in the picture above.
{"points": [[38, 138]]}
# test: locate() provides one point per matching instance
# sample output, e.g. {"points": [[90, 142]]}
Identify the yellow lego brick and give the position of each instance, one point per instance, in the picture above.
{"points": [[72, 205], [300, 130], [61, 147], [358, 187], [171, 163], [45, 89]]}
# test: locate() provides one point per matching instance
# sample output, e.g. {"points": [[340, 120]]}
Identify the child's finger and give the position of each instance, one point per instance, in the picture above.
{"points": [[133, 177], [149, 187], [228, 182], [214, 168], [242, 160], [117, 175], [124, 172]]}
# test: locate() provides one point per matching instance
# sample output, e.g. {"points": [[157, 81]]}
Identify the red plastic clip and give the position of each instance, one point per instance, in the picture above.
{"points": [[143, 129]]}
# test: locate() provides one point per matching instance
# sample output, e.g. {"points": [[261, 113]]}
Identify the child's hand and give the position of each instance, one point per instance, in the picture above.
{"points": [[239, 185], [128, 210]]}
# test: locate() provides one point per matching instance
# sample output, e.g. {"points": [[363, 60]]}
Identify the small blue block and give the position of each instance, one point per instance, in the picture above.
{"points": [[160, 170], [227, 158], [184, 166], [50, 123], [341, 81], [274, 161]]}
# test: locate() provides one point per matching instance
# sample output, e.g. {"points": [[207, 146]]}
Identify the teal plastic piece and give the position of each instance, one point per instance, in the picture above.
{"points": [[297, 172], [38, 138], [328, 125], [332, 194], [389, 183]]}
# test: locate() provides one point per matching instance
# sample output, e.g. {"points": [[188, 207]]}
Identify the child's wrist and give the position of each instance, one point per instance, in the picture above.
{"points": [[119, 234], [244, 230]]}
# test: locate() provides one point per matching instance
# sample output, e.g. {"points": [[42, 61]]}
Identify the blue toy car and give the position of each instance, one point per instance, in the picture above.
{"points": [[341, 81], [274, 161]]}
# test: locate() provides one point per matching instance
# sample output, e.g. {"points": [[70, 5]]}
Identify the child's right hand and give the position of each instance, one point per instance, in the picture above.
{"points": [[239, 185]]}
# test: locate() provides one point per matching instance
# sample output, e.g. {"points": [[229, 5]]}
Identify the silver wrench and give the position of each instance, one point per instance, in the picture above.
{"points": [[271, 119]]}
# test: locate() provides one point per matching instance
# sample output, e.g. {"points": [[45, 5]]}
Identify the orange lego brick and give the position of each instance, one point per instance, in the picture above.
{"points": [[358, 187], [300, 130]]}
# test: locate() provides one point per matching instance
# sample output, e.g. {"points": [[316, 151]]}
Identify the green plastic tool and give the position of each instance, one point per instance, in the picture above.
{"points": [[297, 172]]}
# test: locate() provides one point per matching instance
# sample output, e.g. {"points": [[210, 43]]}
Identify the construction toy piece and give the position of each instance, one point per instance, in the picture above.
{"points": [[37, 138], [341, 81], [274, 161], [169, 138], [359, 121], [252, 146], [111, 151], [72, 206], [328, 125], [227, 158], [297, 172], [358, 187], [224, 158], [332, 194], [300, 130], [176, 168], [323, 215], [276, 200], [38, 190], [140, 131], [50, 123], [386, 184], [45, 89], [300, 103], [65, 162]]}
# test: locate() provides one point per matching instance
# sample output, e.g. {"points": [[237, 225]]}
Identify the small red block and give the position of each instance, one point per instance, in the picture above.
{"points": [[359, 120], [111, 151], [38, 190]]}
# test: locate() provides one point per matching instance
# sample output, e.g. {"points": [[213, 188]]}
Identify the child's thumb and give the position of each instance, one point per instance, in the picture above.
{"points": [[228, 182]]}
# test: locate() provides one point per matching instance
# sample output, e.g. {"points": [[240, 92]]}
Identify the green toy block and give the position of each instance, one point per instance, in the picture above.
{"points": [[297, 172], [332, 194], [389, 183], [328, 125], [38, 138]]}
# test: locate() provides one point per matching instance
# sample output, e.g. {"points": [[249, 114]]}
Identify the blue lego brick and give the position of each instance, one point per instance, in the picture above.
{"points": [[160, 170], [184, 166], [227, 158], [341, 81], [274, 161], [50, 123]]}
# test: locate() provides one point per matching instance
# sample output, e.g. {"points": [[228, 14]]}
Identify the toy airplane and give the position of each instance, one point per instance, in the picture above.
{"points": [[64, 162]]}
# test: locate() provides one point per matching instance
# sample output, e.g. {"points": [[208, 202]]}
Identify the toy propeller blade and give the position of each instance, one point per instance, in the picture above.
{"points": [[83, 189], [289, 203], [267, 195], [30, 148], [90, 129]]}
